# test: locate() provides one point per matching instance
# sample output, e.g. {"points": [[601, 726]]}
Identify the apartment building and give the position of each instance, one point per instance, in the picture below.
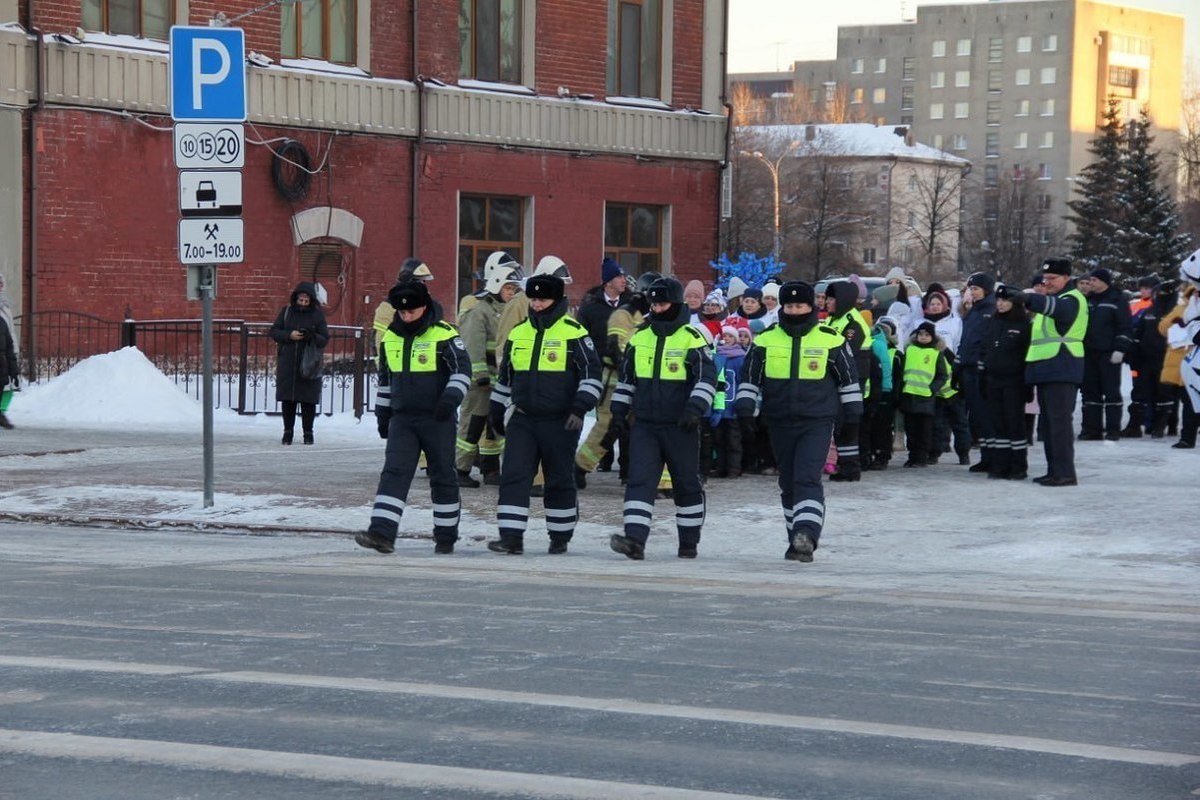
{"points": [[444, 130]]}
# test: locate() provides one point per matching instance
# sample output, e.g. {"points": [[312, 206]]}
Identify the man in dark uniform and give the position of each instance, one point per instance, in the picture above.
{"points": [[1109, 337], [550, 373], [424, 372], [668, 381], [803, 375], [1054, 364], [846, 319], [971, 347]]}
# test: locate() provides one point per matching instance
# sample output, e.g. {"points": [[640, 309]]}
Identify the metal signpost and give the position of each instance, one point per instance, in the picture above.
{"points": [[208, 105]]}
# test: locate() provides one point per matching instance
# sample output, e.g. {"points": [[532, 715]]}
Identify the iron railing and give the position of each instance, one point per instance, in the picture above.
{"points": [[244, 357]]}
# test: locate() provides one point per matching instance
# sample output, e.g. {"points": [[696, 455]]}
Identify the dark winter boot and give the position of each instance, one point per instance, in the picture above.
{"points": [[4, 423], [490, 467], [606, 463], [465, 480], [580, 478], [630, 548], [287, 438], [507, 545], [308, 437], [1136, 416]]}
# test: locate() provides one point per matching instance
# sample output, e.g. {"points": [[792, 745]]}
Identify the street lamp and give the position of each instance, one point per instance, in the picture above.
{"points": [[773, 168]]}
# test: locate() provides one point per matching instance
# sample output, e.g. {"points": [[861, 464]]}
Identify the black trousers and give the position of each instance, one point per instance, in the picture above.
{"points": [[1102, 403], [800, 450], [883, 429], [1009, 455], [727, 440], [951, 418], [528, 442], [651, 444], [408, 436], [1144, 393], [308, 412], [979, 413], [918, 428], [870, 409], [1056, 404], [845, 438]]}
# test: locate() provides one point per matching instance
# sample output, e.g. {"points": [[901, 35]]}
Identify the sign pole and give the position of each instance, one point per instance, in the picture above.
{"points": [[207, 285]]}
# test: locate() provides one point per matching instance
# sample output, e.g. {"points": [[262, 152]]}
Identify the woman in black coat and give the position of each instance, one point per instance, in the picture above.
{"points": [[1005, 344], [298, 325]]}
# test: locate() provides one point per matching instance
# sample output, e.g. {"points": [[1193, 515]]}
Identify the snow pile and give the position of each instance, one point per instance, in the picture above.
{"points": [[118, 388]]}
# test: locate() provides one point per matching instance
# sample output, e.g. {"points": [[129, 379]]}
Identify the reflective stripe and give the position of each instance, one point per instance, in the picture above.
{"points": [[560, 527], [560, 513]]}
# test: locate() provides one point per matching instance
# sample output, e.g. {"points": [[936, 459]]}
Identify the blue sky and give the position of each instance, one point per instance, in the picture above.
{"points": [[765, 35]]}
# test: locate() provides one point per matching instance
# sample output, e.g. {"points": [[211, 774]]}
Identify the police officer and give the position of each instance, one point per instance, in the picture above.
{"points": [[551, 374], [846, 319], [799, 377], [1054, 364], [1109, 337], [668, 381], [424, 372]]}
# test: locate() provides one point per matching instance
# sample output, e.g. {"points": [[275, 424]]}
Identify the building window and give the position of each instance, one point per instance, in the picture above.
{"points": [[830, 92], [1021, 141], [1048, 107], [959, 142], [1043, 172], [993, 112], [856, 95], [489, 37], [633, 236], [992, 145], [908, 68], [1043, 202], [962, 110], [991, 176], [1022, 108], [150, 19], [1049, 42], [1122, 81], [962, 47], [995, 80], [844, 179], [879, 96], [1024, 44], [913, 183], [962, 78], [937, 111], [486, 224], [1049, 75], [1044, 234], [937, 80], [1047, 139], [912, 219], [937, 142], [634, 47], [880, 65], [996, 50], [868, 255], [991, 207], [321, 29], [907, 98], [939, 48], [1022, 78], [856, 66], [906, 119]]}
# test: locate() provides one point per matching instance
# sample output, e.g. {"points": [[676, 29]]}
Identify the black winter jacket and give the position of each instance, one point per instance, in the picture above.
{"points": [[975, 331], [311, 321], [416, 393], [1109, 325], [9, 368], [659, 401], [551, 393], [1005, 343], [1149, 346], [594, 312]]}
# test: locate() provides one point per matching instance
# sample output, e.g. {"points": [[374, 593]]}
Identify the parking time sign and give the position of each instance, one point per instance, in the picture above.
{"points": [[208, 74]]}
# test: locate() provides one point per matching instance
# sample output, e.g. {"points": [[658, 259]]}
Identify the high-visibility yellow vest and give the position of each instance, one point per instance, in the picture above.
{"points": [[551, 353], [1045, 342], [422, 355], [920, 368], [809, 360], [672, 364], [855, 317], [948, 391]]}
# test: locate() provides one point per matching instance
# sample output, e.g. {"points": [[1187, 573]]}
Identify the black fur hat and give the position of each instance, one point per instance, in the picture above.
{"points": [[545, 287], [408, 296], [797, 292]]}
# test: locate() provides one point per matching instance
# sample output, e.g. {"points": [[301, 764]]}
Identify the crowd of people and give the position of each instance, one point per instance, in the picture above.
{"points": [[786, 379]]}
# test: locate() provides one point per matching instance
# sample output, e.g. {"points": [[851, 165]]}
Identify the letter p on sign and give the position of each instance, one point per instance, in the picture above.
{"points": [[208, 74]]}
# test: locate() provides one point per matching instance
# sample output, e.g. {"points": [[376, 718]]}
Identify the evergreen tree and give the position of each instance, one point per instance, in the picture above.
{"points": [[1098, 213], [1152, 241]]}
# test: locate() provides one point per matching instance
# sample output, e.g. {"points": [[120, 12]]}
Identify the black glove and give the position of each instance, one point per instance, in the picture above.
{"points": [[382, 420], [496, 418], [443, 411], [1006, 292], [618, 427], [689, 422], [1029, 393], [749, 426], [575, 419], [484, 381]]}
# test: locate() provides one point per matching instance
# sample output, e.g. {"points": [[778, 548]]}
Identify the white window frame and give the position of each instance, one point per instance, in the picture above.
{"points": [[1050, 43], [962, 47], [1022, 77], [1024, 44], [1047, 109], [962, 110], [962, 78], [1049, 75], [1044, 173], [959, 142], [937, 79], [856, 66], [856, 96], [1022, 108], [937, 141], [939, 48], [879, 95], [1047, 140], [937, 111], [880, 66], [1021, 141]]}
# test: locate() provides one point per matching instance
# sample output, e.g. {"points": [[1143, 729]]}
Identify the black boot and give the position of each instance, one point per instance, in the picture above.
{"points": [[287, 438], [4, 423], [308, 437], [580, 478], [1136, 417]]}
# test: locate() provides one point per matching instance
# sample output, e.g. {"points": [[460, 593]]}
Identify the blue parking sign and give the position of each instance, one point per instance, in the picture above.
{"points": [[208, 74]]}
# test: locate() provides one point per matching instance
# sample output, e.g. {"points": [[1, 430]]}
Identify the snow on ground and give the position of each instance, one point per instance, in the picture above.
{"points": [[1128, 531]]}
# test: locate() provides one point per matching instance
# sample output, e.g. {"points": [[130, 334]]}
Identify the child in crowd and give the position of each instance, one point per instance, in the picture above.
{"points": [[885, 378], [727, 435], [924, 375]]}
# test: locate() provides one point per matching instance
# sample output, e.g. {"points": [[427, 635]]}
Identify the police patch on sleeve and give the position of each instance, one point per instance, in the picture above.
{"points": [[587, 341], [458, 342]]}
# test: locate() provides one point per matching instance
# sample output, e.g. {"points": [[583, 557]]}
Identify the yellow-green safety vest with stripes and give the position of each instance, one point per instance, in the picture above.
{"points": [[422, 356], [552, 356], [672, 366], [920, 368], [1045, 341], [854, 316], [812, 362]]}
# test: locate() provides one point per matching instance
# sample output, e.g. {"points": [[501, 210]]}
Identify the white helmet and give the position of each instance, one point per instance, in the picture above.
{"points": [[499, 261], [1189, 268], [553, 265], [499, 278]]}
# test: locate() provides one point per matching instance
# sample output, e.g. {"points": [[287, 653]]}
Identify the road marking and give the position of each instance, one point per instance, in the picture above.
{"points": [[1064, 693], [726, 716], [396, 774]]}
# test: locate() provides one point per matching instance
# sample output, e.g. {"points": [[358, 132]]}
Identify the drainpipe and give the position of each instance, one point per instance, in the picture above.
{"points": [[31, 280], [414, 194], [887, 228], [722, 169]]}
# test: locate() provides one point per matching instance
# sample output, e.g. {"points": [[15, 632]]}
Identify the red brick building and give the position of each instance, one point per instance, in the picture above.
{"points": [[441, 129]]}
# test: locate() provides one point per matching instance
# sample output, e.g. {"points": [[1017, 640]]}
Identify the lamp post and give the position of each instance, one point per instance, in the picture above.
{"points": [[773, 168]]}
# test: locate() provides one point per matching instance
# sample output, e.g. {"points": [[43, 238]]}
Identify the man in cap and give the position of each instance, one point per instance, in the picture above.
{"points": [[550, 378], [668, 382], [424, 372], [1109, 337], [1054, 364], [799, 377]]}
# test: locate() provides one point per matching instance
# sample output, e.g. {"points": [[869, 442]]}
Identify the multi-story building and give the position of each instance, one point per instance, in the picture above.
{"points": [[376, 130], [1017, 87]]}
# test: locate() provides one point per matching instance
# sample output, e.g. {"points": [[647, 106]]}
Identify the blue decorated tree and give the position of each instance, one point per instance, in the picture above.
{"points": [[753, 270]]}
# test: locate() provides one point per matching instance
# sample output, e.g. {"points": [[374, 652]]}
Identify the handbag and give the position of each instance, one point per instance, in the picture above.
{"points": [[311, 361]]}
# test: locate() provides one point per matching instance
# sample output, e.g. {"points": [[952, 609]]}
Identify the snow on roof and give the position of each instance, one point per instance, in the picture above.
{"points": [[852, 140]]}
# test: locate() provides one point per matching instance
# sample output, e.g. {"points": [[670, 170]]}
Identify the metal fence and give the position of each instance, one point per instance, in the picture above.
{"points": [[244, 357]]}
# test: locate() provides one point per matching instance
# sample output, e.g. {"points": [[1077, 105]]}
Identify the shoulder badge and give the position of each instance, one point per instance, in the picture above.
{"points": [[458, 342], [587, 342]]}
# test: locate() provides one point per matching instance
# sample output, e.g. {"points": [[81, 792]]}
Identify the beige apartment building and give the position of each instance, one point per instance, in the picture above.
{"points": [[1017, 87]]}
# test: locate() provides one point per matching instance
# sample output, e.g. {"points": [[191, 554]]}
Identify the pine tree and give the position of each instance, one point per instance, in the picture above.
{"points": [[1152, 241], [1098, 214]]}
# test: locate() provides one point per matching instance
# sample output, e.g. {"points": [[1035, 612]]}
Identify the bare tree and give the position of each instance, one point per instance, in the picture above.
{"points": [[1014, 231], [932, 216], [1189, 158], [822, 215]]}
